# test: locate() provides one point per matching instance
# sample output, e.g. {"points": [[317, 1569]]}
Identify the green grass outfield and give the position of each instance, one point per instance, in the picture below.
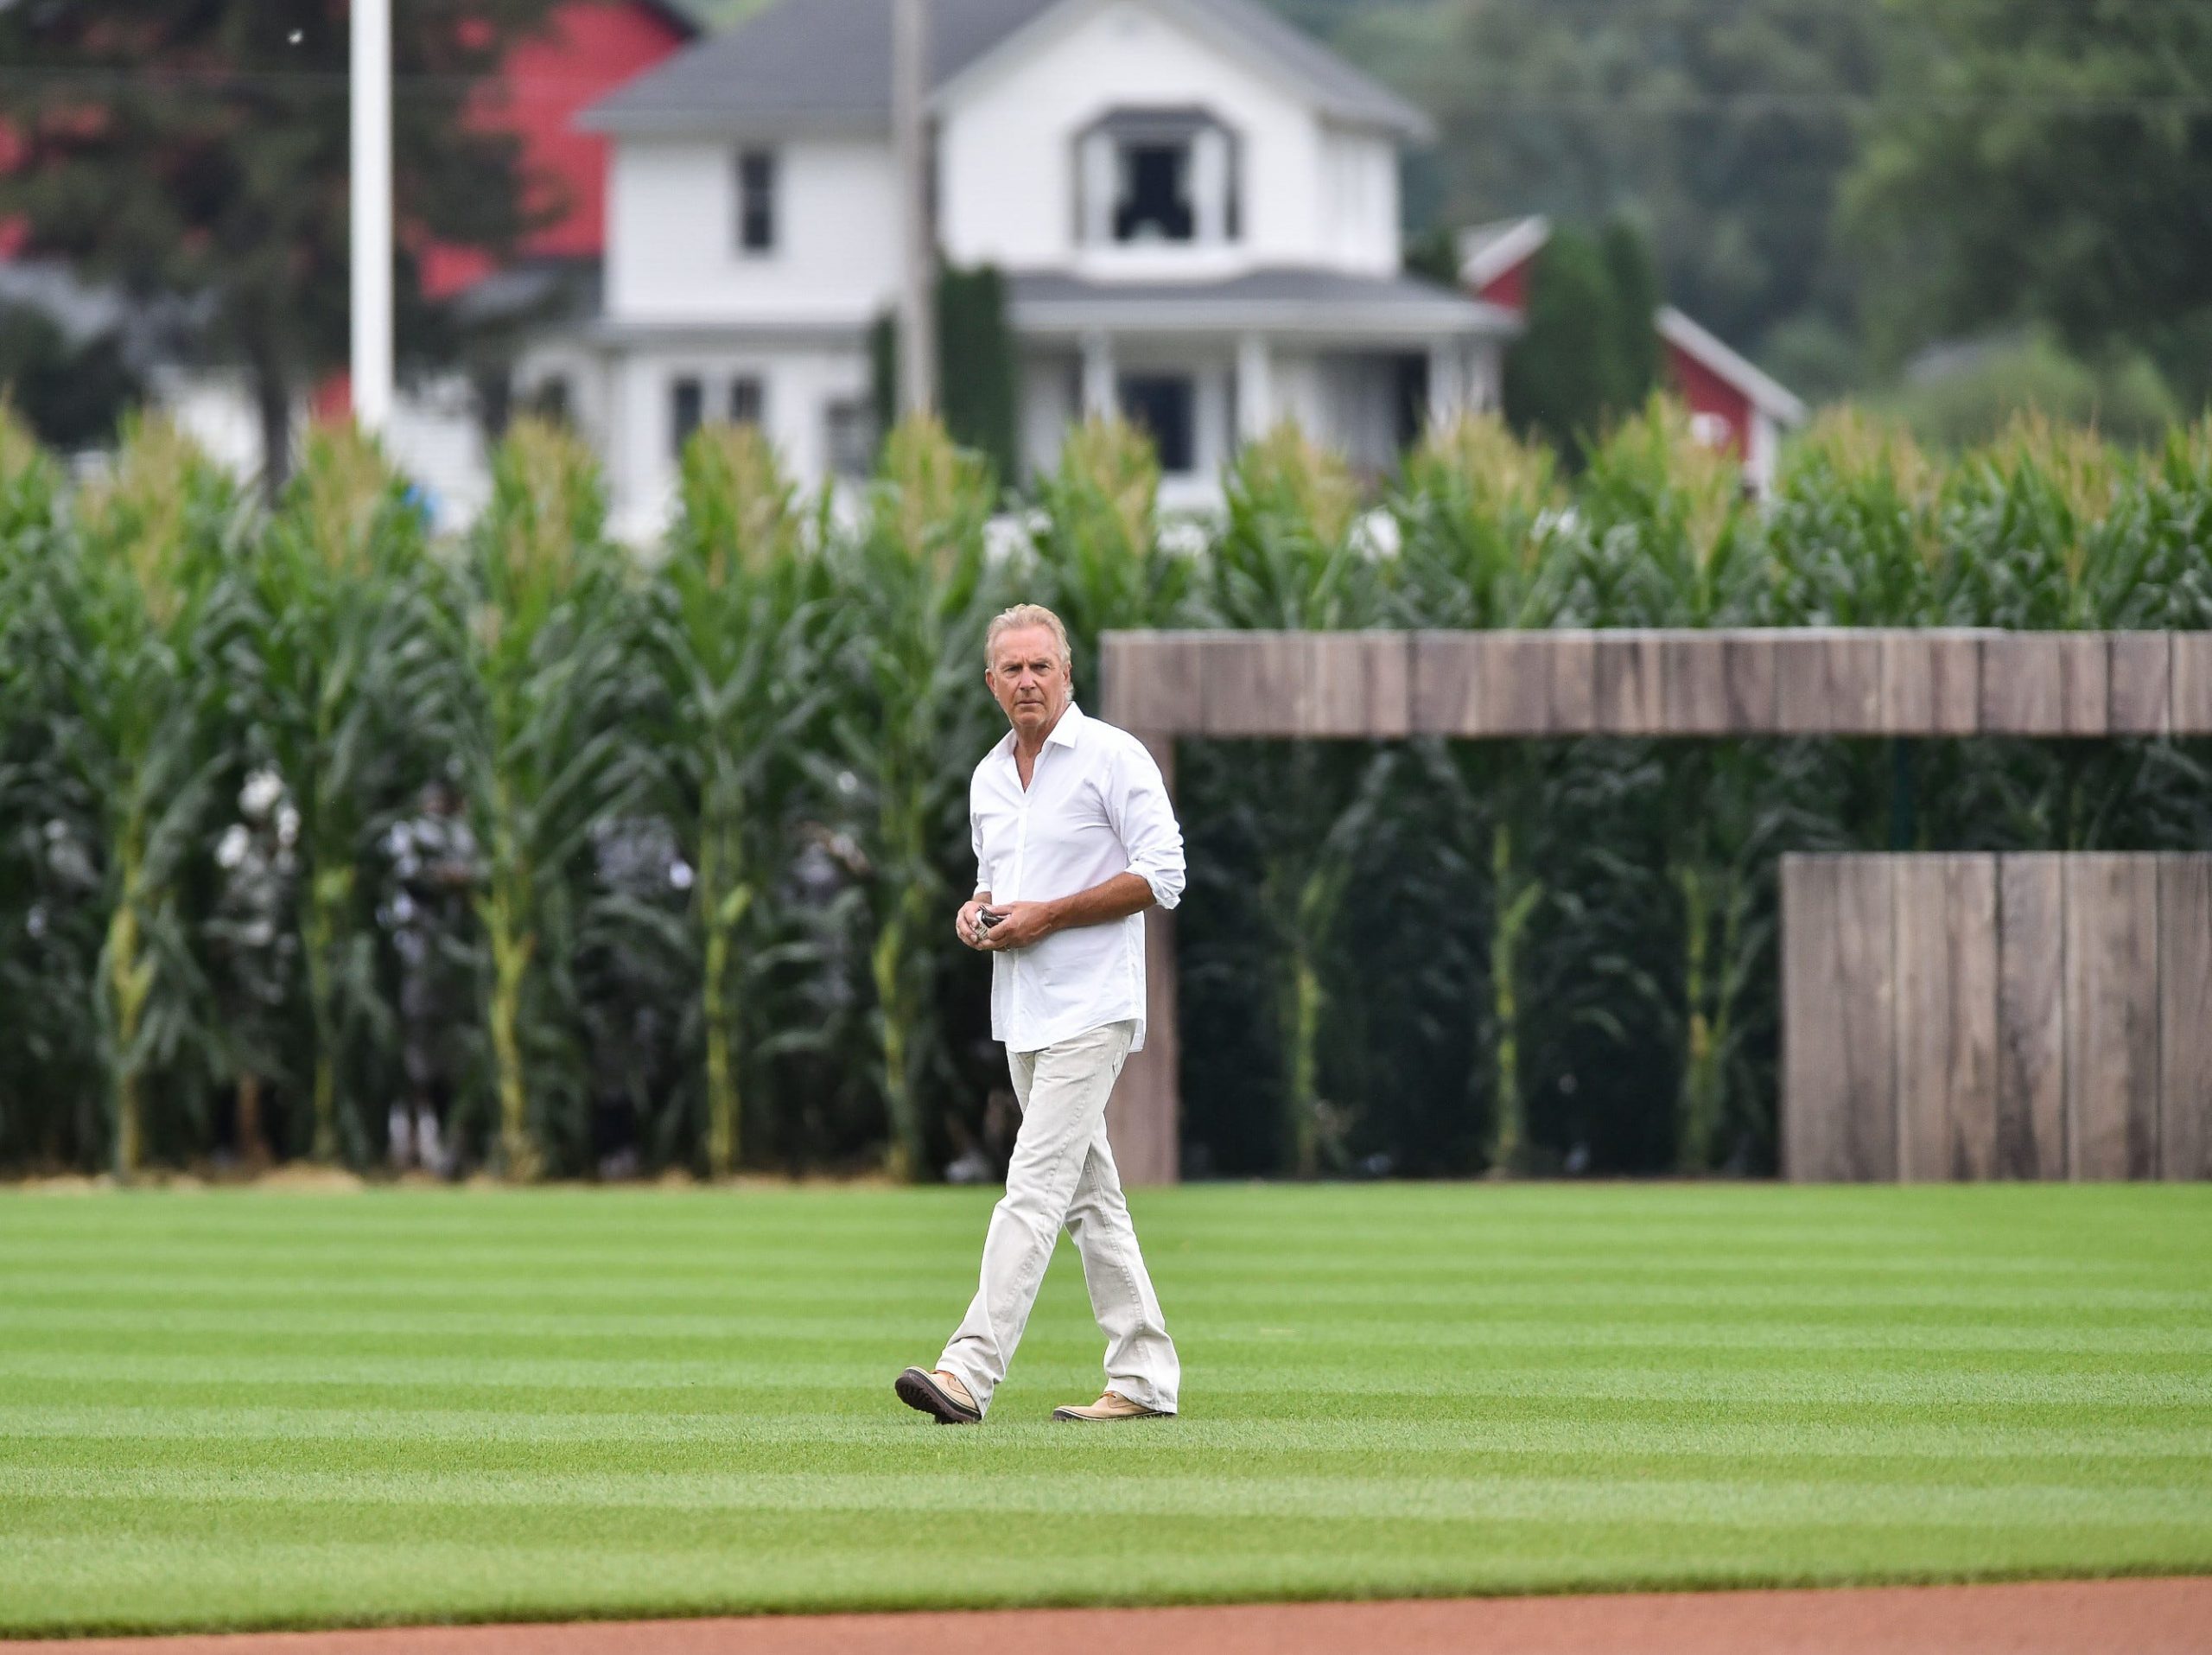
{"points": [[248, 1408]]}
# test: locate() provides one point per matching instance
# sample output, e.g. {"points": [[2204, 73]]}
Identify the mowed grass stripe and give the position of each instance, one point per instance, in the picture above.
{"points": [[70, 1328], [777, 1563], [525, 1498], [432, 1404], [2117, 1379], [332, 1434]]}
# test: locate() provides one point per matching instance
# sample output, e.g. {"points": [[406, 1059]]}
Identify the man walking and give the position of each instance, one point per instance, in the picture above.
{"points": [[1074, 839]]}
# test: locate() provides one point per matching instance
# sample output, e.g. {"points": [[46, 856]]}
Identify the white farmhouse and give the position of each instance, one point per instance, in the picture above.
{"points": [[1195, 207]]}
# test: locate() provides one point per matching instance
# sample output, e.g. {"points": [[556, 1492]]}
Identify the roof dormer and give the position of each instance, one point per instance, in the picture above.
{"points": [[1157, 178]]}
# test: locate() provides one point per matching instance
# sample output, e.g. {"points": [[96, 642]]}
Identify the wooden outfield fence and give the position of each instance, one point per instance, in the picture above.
{"points": [[1770, 682], [1930, 682], [1978, 1016]]}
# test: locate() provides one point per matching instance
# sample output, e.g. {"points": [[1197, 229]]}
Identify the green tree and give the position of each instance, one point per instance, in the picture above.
{"points": [[977, 372], [200, 149], [1589, 355], [70, 390], [1728, 127], [976, 351], [2045, 163]]}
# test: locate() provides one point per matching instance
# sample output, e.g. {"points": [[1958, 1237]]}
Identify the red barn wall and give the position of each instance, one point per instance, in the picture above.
{"points": [[1706, 392], [587, 49], [1509, 288]]}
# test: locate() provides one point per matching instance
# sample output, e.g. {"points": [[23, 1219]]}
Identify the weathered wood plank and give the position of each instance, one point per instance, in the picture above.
{"points": [[2142, 684], [2032, 1130], [1693, 684], [1945, 1016], [1828, 682], [2192, 683], [1502, 684], [1389, 686], [1517, 671], [1349, 683], [2185, 1016], [2112, 1015], [1573, 692], [2024, 683], [1931, 681], [1630, 691], [1247, 678], [1447, 687], [1151, 679], [1748, 680], [1144, 1115], [1838, 1112], [2085, 680]]}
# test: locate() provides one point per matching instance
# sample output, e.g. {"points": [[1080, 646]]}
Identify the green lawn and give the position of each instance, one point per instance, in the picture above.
{"points": [[256, 1409]]}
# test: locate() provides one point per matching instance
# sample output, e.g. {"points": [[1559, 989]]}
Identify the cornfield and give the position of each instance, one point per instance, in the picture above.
{"points": [[322, 839]]}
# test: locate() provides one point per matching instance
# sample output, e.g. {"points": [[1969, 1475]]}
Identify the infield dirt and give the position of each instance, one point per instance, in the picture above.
{"points": [[2151, 1617]]}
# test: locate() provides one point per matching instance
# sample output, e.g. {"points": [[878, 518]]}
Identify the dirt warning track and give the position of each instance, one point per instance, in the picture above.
{"points": [[2151, 1617]]}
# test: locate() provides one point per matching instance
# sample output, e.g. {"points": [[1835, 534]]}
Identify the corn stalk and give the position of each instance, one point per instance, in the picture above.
{"points": [[346, 686], [545, 696], [915, 593], [155, 561], [735, 625]]}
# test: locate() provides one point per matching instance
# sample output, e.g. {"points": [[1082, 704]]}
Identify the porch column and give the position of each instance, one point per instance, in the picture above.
{"points": [[1448, 390], [1256, 390], [1100, 400]]}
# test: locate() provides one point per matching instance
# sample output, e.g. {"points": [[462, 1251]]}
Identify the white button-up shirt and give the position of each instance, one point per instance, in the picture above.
{"points": [[1095, 806]]}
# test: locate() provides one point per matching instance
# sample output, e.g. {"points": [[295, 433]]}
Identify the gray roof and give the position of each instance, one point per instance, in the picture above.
{"points": [[825, 65], [1281, 300]]}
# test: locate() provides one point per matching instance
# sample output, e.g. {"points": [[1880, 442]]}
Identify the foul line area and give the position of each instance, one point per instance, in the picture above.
{"points": [[2134, 1617]]}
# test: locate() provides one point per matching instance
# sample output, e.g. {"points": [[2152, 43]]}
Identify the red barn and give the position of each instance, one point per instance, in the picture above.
{"points": [[586, 49], [1732, 405]]}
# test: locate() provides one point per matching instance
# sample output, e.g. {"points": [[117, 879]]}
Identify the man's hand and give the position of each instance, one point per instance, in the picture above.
{"points": [[1024, 923], [967, 927]]}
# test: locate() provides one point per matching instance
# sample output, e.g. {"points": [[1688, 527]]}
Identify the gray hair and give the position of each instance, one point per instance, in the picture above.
{"points": [[1023, 615]]}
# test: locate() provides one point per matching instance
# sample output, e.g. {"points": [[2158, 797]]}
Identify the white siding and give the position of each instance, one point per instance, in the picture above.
{"points": [[799, 385], [1007, 155], [672, 252], [1362, 202]]}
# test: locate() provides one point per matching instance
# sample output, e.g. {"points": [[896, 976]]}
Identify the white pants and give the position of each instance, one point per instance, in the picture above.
{"points": [[1063, 1174]]}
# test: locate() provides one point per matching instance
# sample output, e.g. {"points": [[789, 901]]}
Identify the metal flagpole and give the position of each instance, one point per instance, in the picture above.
{"points": [[371, 213], [910, 52]]}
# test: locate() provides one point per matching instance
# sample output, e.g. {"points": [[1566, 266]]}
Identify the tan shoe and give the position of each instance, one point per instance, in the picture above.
{"points": [[938, 1394], [1111, 1406]]}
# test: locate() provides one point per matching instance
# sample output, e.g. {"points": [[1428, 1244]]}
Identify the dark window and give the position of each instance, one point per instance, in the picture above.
{"points": [[549, 399], [1160, 405], [756, 201], [1154, 204], [747, 401], [852, 437], [1410, 391], [686, 407]]}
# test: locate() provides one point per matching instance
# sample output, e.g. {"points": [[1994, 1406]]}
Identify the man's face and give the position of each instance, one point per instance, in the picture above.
{"points": [[1030, 681]]}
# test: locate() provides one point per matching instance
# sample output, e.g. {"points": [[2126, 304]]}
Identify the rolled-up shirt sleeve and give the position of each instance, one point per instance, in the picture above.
{"points": [[1144, 817]]}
